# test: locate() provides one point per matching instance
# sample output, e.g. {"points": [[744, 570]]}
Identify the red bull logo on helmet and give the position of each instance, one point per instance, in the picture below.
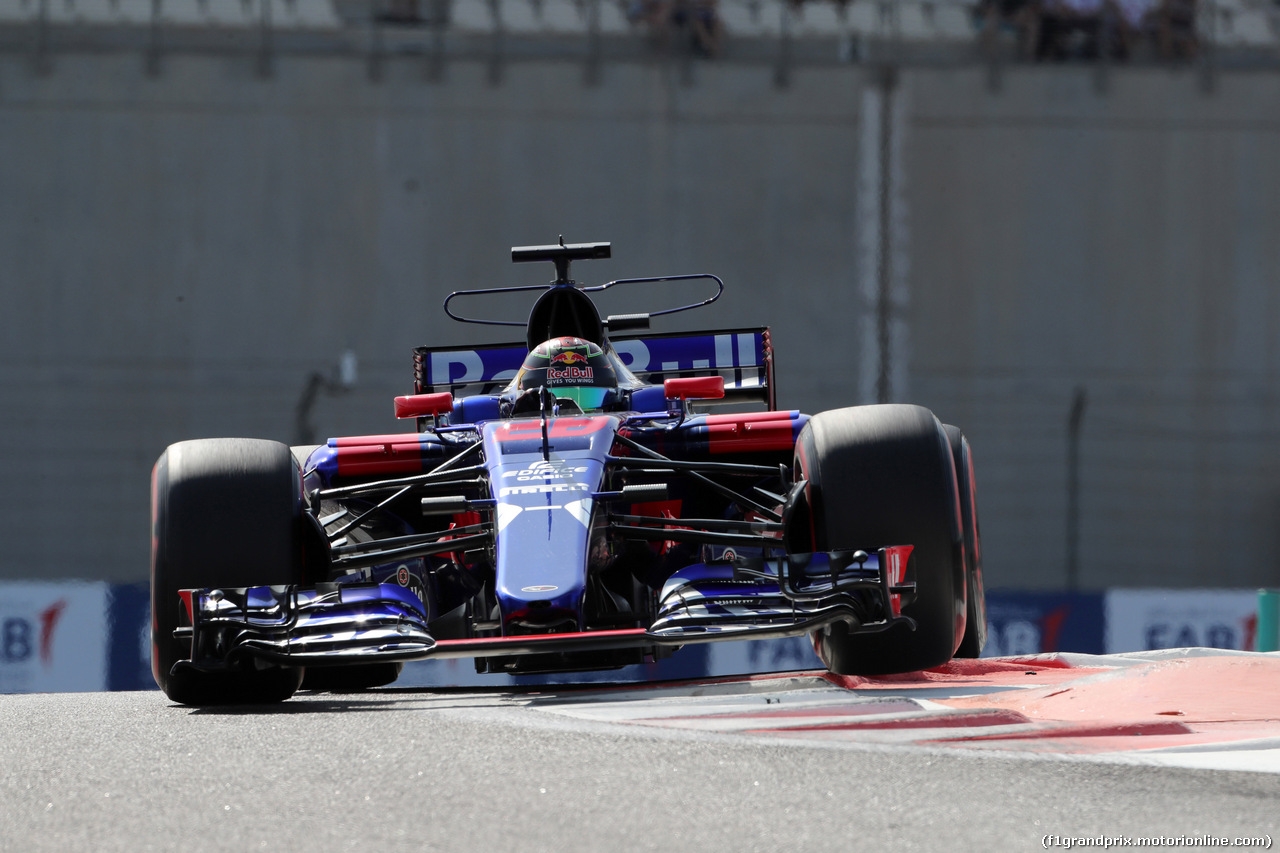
{"points": [[570, 374], [567, 361]]}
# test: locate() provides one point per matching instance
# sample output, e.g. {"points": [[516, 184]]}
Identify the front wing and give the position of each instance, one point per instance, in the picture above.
{"points": [[345, 624]]}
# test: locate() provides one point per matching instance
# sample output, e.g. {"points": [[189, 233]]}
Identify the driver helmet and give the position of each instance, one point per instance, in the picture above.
{"points": [[571, 369]]}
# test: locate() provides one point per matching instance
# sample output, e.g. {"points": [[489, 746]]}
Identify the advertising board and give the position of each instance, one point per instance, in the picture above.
{"points": [[1027, 623], [1145, 619], [53, 636]]}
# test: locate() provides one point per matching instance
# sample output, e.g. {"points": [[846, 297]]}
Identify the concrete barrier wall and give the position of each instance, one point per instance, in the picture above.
{"points": [[178, 254], [1127, 243]]}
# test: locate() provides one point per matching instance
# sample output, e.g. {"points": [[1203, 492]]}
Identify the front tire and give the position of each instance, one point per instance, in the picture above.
{"points": [[975, 631], [879, 476], [225, 512]]}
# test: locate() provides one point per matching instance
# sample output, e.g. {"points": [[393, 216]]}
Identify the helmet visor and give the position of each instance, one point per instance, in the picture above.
{"points": [[588, 398]]}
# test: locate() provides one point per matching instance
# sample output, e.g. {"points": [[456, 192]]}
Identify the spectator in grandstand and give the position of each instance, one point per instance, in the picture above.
{"points": [[1175, 27], [655, 13], [1070, 29], [1074, 29], [1021, 16], [700, 19], [703, 19], [1133, 22]]}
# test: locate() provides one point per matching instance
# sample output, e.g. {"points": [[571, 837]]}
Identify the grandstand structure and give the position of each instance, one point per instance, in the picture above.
{"points": [[815, 32]]}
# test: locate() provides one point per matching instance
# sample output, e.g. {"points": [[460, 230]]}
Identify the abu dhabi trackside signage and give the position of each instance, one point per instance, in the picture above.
{"points": [[1145, 619], [53, 636]]}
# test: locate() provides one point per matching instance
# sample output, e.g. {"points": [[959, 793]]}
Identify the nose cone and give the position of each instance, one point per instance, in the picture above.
{"points": [[544, 514]]}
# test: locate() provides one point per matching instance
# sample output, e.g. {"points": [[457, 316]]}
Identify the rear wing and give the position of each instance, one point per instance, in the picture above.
{"points": [[744, 357]]}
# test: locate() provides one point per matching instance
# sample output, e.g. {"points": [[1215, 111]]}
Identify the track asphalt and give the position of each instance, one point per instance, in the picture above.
{"points": [[1009, 754]]}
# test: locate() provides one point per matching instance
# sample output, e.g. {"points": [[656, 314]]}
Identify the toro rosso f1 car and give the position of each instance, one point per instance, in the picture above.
{"points": [[568, 502]]}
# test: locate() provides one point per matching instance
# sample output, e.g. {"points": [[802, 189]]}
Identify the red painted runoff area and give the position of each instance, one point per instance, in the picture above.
{"points": [[1186, 707]]}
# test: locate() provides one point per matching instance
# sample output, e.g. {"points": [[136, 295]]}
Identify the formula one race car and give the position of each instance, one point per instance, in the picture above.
{"points": [[566, 504]]}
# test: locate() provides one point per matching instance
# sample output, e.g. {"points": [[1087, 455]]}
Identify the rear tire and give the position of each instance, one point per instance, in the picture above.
{"points": [[879, 476], [225, 512], [975, 631]]}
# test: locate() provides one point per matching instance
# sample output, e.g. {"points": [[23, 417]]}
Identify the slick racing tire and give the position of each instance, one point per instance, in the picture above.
{"points": [[302, 452], [879, 476], [975, 628], [225, 512]]}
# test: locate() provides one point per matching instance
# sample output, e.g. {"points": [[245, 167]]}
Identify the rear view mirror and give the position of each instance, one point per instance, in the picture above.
{"points": [[694, 388], [424, 405]]}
